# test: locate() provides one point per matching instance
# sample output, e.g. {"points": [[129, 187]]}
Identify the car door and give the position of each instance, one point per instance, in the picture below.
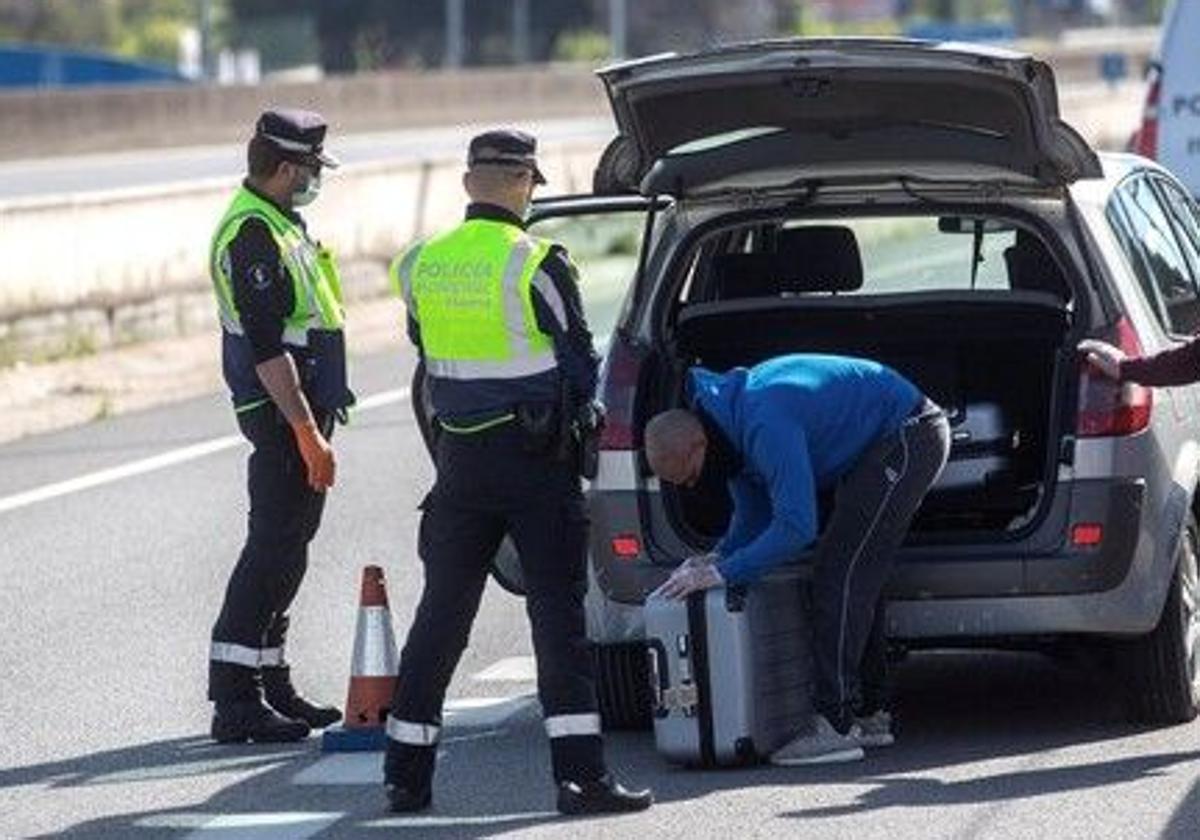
{"points": [[603, 235], [1164, 263], [1184, 218], [772, 113]]}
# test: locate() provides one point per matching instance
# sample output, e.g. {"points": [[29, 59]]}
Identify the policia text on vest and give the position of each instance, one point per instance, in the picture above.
{"points": [[496, 316], [283, 355]]}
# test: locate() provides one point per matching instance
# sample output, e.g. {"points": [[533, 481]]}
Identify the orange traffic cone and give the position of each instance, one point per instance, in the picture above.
{"points": [[372, 673]]}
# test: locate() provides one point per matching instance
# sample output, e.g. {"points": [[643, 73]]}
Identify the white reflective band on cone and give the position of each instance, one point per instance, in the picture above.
{"points": [[375, 644], [413, 734], [247, 657], [562, 726]]}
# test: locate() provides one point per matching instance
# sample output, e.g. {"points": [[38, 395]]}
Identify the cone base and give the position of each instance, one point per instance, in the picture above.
{"points": [[354, 739]]}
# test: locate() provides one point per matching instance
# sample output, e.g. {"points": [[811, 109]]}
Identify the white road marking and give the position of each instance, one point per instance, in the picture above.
{"points": [[161, 461], [466, 820], [512, 669], [467, 719], [363, 768], [485, 712], [280, 825], [203, 767]]}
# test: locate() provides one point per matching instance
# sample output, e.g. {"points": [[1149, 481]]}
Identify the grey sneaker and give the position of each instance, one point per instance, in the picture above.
{"points": [[876, 730], [821, 745]]}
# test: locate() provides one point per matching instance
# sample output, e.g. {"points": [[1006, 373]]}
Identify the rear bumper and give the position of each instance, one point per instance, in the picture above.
{"points": [[1038, 586]]}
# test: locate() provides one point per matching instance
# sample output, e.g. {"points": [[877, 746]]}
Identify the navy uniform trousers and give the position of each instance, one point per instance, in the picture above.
{"points": [[251, 631], [488, 485]]}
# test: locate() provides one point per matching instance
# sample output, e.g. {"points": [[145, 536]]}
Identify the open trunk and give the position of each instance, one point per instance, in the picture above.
{"points": [[988, 358]]}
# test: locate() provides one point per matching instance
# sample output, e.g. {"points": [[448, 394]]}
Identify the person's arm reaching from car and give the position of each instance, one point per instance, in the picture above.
{"points": [[1175, 366]]}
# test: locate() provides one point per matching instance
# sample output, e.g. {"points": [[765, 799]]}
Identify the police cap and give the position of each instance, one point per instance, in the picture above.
{"points": [[505, 147], [299, 135]]}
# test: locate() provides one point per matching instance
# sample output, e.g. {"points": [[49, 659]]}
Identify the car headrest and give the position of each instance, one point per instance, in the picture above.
{"points": [[809, 259], [820, 258], [747, 276], [1032, 268]]}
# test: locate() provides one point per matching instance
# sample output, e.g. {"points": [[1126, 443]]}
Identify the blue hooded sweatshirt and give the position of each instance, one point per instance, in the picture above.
{"points": [[799, 423]]}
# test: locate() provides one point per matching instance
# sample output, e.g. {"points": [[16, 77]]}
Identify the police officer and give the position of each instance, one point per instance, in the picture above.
{"points": [[283, 356], [496, 316]]}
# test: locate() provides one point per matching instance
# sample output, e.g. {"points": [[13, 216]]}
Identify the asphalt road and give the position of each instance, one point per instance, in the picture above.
{"points": [[109, 592], [25, 179]]}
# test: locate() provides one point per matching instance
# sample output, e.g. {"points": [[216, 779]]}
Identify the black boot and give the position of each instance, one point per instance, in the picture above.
{"points": [[603, 796], [249, 720], [408, 774], [401, 800], [282, 697]]}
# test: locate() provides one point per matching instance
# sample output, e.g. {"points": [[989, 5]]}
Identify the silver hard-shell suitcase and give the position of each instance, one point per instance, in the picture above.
{"points": [[730, 671]]}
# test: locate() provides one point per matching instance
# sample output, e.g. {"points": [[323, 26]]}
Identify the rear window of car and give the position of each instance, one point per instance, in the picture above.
{"points": [[882, 256], [908, 255]]}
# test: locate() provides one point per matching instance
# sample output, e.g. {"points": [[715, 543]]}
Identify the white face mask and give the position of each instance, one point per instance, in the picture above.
{"points": [[308, 193], [528, 208]]}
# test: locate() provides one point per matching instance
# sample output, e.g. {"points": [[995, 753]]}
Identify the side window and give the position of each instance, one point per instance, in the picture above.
{"points": [[1136, 260], [605, 247], [1183, 214], [1151, 239]]}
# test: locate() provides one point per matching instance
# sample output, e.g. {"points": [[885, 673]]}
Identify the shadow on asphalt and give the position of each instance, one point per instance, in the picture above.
{"points": [[953, 709]]}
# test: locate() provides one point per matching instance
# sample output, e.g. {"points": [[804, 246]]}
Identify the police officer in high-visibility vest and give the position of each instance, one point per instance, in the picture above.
{"points": [[497, 318], [283, 353]]}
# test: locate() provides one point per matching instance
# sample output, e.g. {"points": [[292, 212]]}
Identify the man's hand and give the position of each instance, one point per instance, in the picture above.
{"points": [[693, 575], [698, 560], [1103, 356], [317, 455]]}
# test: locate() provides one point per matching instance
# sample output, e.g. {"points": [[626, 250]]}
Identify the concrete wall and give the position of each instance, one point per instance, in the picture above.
{"points": [[91, 271], [108, 248], [39, 123]]}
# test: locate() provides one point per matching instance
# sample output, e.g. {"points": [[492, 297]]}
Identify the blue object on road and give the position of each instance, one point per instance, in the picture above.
{"points": [[356, 739]]}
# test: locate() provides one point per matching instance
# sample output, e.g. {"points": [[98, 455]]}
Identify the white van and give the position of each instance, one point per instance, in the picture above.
{"points": [[1170, 130]]}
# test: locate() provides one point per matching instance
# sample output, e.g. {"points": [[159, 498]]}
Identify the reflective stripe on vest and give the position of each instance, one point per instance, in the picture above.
{"points": [[470, 291], [316, 285]]}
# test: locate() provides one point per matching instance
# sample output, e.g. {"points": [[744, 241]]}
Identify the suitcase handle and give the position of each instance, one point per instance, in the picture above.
{"points": [[655, 656], [683, 698]]}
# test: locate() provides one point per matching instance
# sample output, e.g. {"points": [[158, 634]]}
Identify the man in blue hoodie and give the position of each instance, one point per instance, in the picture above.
{"points": [[778, 433]]}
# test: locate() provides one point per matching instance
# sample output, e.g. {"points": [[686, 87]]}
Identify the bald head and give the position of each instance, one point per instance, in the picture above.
{"points": [[675, 446], [510, 187]]}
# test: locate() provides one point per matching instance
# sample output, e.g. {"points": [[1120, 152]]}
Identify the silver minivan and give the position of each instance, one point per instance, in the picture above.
{"points": [[924, 205]]}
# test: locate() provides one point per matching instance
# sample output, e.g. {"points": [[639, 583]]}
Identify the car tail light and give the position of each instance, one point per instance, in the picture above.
{"points": [[618, 390], [626, 546], [1087, 534], [1145, 139], [1108, 408]]}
